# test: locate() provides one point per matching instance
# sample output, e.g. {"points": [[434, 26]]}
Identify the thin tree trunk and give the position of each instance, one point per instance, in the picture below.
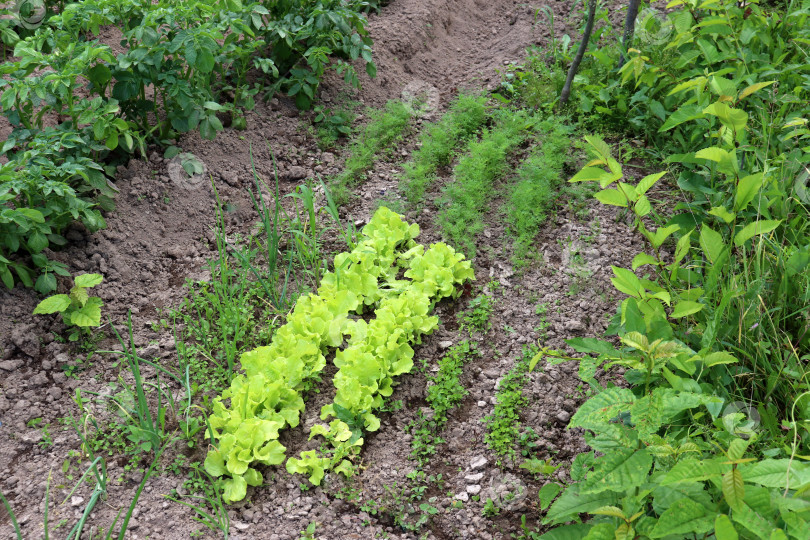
{"points": [[583, 46], [629, 27]]}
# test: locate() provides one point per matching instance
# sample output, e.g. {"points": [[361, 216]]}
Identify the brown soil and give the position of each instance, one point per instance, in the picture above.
{"points": [[161, 234]]}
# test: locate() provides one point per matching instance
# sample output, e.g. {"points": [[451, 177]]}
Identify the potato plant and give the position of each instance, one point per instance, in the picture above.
{"points": [[184, 68]]}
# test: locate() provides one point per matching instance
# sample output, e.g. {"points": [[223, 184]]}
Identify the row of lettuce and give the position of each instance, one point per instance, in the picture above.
{"points": [[710, 435], [78, 108], [269, 397]]}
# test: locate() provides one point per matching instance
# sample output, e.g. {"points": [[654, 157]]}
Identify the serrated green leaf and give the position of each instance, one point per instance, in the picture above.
{"points": [[612, 511], [88, 280], [647, 414], [698, 81], [626, 282], [752, 521], [587, 368], [53, 304], [79, 296], [594, 174], [722, 213], [87, 315], [683, 114], [662, 233], [602, 531], [728, 116], [45, 282], [642, 206], [694, 470], [591, 345], [568, 532], [648, 181], [753, 88], [598, 147], [682, 517], [613, 197], [712, 153], [720, 357], [625, 531], [641, 259], [571, 503], [682, 248], [747, 189], [617, 471], [685, 308], [733, 488], [774, 473], [666, 496], [737, 448], [602, 408], [712, 243]]}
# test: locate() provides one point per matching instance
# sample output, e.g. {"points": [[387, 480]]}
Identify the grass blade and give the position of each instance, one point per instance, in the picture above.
{"points": [[12, 516]]}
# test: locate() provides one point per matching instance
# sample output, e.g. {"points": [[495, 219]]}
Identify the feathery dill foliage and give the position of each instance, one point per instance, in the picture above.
{"points": [[444, 393], [467, 198], [438, 141], [538, 182], [385, 128]]}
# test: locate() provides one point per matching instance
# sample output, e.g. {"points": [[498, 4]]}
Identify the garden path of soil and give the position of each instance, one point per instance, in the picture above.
{"points": [[160, 235]]}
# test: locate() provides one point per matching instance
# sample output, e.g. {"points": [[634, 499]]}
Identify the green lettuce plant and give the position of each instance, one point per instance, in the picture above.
{"points": [[378, 352], [268, 397]]}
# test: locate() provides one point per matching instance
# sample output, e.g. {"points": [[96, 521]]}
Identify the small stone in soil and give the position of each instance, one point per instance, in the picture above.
{"points": [[478, 463], [463, 496], [474, 478], [296, 173]]}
